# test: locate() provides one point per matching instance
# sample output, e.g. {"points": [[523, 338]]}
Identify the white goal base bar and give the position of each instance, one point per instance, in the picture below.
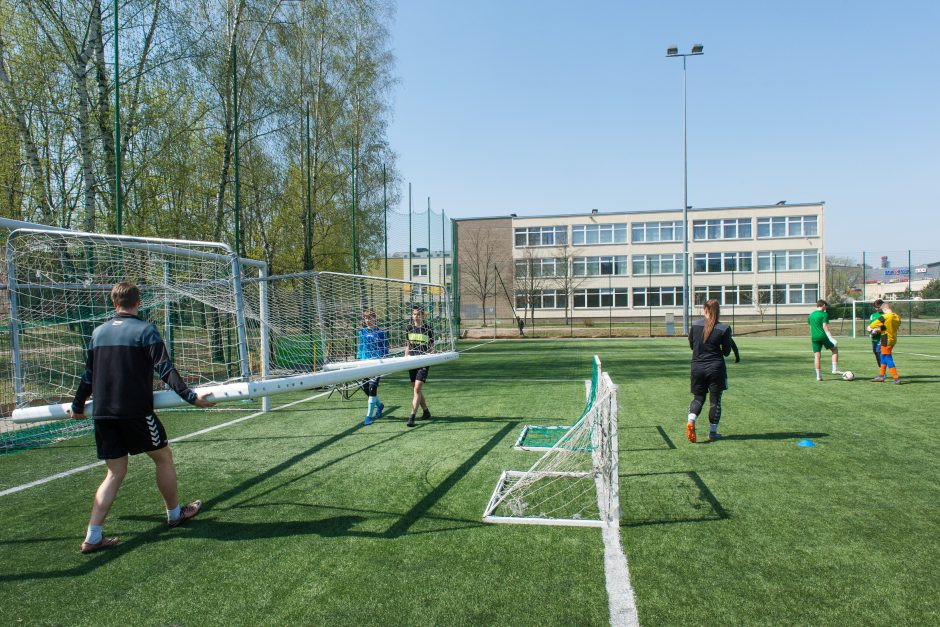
{"points": [[534, 520], [254, 389]]}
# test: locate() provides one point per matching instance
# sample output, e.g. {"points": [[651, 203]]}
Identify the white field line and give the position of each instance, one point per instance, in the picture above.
{"points": [[620, 597], [75, 471], [470, 348]]}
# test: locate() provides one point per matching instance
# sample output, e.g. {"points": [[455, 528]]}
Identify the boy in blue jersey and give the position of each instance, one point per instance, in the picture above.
{"points": [[123, 355], [372, 344]]}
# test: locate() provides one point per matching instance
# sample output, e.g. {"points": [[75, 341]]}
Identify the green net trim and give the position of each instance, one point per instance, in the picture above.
{"points": [[42, 435]]}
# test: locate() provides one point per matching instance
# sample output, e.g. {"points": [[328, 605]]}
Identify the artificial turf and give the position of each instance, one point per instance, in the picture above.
{"points": [[313, 518]]}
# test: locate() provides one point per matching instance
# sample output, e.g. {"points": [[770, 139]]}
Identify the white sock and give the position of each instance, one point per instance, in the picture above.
{"points": [[818, 375], [371, 405], [173, 514], [692, 418], [94, 535]]}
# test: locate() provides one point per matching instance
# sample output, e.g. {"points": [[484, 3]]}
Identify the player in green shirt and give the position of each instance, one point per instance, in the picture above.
{"points": [[821, 336], [876, 339]]}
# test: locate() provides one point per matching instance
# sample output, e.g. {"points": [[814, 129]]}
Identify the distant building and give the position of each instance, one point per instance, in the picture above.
{"points": [[418, 267], [630, 264], [893, 282]]}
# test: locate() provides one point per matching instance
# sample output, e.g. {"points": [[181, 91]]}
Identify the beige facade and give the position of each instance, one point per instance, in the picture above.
{"points": [[436, 270], [630, 264]]}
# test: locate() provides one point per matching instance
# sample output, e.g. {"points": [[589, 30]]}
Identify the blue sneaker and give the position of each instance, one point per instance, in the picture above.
{"points": [[367, 421], [378, 412], [714, 436]]}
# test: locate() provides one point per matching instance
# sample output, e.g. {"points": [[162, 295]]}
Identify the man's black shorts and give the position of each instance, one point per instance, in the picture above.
{"points": [[419, 374], [128, 436], [711, 381]]}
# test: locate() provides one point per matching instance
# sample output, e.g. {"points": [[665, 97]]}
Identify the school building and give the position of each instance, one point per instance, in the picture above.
{"points": [[630, 264]]}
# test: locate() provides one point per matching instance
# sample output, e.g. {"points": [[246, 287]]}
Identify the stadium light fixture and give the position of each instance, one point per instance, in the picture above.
{"points": [[673, 51]]}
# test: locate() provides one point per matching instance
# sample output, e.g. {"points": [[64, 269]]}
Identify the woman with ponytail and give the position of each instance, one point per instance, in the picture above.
{"points": [[710, 342]]}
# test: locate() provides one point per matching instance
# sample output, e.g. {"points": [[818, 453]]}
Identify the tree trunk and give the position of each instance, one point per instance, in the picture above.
{"points": [[22, 128]]}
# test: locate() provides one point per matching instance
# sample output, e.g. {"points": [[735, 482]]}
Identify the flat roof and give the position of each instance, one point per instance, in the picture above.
{"points": [[590, 212]]}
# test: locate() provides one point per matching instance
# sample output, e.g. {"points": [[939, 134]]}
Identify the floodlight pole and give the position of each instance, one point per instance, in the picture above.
{"points": [[697, 50], [118, 195]]}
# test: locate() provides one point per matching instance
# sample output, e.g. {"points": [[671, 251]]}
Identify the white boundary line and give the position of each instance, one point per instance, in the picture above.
{"points": [[620, 596], [470, 348], [75, 471]]}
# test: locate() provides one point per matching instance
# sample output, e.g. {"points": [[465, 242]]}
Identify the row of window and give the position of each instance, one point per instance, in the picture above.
{"points": [[656, 265], [421, 269], [604, 297], [668, 231]]}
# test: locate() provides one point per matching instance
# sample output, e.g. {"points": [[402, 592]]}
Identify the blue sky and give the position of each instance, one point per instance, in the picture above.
{"points": [[544, 107]]}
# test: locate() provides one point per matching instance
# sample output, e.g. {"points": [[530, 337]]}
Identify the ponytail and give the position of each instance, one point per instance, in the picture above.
{"points": [[712, 309]]}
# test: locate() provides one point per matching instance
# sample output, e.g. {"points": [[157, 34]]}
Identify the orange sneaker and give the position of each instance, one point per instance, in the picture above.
{"points": [[690, 431]]}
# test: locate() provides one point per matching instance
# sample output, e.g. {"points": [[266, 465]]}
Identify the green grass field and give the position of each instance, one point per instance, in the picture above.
{"points": [[312, 518]]}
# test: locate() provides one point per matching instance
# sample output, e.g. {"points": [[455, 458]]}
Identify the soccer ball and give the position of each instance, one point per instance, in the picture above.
{"points": [[848, 375]]}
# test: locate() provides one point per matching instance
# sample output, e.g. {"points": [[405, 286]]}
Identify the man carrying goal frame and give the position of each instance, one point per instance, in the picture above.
{"points": [[122, 356]]}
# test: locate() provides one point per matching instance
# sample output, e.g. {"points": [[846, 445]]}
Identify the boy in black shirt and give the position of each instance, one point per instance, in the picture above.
{"points": [[420, 342], [124, 353]]}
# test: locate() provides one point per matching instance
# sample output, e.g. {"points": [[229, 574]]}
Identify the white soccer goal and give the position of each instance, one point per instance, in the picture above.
{"points": [[919, 316], [269, 336], [59, 285], [576, 481]]}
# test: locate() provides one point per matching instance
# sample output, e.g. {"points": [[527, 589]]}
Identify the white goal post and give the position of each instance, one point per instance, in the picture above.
{"points": [[574, 483], [232, 336]]}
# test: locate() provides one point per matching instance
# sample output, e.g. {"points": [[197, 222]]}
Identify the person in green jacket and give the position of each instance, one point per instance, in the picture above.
{"points": [[821, 336]]}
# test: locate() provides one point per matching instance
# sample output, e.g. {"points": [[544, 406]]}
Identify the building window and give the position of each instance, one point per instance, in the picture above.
{"points": [[725, 294], [419, 269], [541, 236], [657, 232], [657, 296], [582, 234], [784, 260], [600, 266], [725, 228], [705, 263], [542, 299], [788, 226], [788, 294], [644, 265], [545, 267], [600, 297]]}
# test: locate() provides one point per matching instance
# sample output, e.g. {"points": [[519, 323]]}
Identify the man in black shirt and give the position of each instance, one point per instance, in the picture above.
{"points": [[420, 342], [123, 354], [710, 342]]}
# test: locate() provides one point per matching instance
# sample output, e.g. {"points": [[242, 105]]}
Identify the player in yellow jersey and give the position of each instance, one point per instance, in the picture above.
{"points": [[886, 327]]}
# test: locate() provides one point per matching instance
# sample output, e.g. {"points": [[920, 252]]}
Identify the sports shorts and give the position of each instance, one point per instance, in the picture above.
{"points": [[371, 386], [713, 382], [818, 345], [118, 437], [419, 374]]}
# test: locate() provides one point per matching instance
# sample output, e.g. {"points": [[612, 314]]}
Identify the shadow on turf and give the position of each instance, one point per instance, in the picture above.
{"points": [[330, 527], [658, 491], [781, 435], [660, 432]]}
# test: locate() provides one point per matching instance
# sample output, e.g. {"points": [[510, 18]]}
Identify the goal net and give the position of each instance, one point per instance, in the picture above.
{"points": [[235, 338], [575, 482], [311, 321], [919, 316], [543, 437]]}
